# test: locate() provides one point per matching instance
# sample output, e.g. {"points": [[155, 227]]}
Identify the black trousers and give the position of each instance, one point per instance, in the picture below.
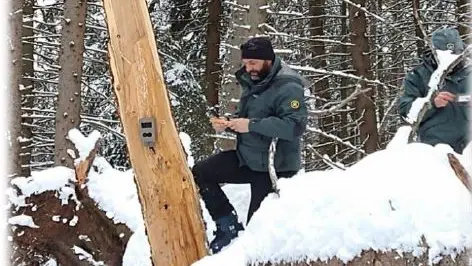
{"points": [[224, 168]]}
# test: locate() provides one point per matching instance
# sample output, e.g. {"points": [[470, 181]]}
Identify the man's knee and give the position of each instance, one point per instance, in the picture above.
{"points": [[199, 172]]}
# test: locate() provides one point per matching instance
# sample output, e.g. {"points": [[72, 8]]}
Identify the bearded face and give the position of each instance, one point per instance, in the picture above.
{"points": [[257, 68]]}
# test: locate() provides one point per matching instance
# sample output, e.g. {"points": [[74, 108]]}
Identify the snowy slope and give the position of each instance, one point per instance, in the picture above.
{"points": [[387, 201]]}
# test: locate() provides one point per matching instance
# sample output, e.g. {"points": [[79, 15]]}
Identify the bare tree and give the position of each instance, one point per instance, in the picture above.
{"points": [[15, 33], [464, 18], [28, 87], [247, 16], [213, 39], [321, 84], [70, 74], [361, 62]]}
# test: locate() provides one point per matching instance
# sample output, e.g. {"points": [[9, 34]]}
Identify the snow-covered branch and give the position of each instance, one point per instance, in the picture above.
{"points": [[341, 74], [336, 139]]}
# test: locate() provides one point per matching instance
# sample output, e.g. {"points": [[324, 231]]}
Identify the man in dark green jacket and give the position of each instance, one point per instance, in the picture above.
{"points": [[271, 106], [448, 119]]}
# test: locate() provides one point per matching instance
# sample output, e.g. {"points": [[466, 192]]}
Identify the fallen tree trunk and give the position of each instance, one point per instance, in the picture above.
{"points": [[167, 192], [63, 229], [375, 258]]}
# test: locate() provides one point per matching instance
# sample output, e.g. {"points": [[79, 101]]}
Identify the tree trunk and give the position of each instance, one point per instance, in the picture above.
{"points": [[70, 75], [27, 99], [231, 91], [378, 258], [361, 62], [420, 45], [463, 12], [180, 16], [349, 129], [213, 65], [321, 87], [166, 188], [84, 226], [104, 240], [16, 20]]}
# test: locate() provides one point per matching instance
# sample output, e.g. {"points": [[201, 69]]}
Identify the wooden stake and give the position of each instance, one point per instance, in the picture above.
{"points": [[460, 171], [167, 192]]}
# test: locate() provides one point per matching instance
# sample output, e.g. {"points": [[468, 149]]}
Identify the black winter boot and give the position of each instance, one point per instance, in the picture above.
{"points": [[227, 229]]}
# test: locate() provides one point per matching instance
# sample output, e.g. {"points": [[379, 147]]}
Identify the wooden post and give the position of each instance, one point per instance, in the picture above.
{"points": [[167, 192]]}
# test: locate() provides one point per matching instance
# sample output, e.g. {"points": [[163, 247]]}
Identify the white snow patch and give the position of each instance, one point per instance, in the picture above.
{"points": [[46, 2], [71, 154], [137, 251], [188, 37], [84, 255], [40, 181], [22, 220], [85, 237], [83, 144], [401, 138], [187, 142], [50, 262], [387, 201], [115, 193], [73, 221]]}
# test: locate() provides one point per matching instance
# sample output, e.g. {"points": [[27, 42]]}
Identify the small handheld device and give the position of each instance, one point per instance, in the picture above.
{"points": [[147, 127]]}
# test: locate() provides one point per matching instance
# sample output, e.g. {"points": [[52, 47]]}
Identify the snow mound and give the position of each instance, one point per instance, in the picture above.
{"points": [[385, 202], [51, 179], [115, 193]]}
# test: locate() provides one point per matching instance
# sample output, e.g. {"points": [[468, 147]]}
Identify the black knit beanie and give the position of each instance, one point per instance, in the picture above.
{"points": [[257, 48]]}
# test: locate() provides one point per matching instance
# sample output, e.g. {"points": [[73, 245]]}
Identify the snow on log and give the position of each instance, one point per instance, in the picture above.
{"points": [[400, 206]]}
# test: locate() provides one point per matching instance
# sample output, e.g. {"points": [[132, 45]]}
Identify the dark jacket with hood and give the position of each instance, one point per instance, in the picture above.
{"points": [[276, 109], [449, 124]]}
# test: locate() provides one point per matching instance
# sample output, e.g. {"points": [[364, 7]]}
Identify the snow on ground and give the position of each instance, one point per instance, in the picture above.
{"points": [[387, 201], [83, 144], [445, 60]]}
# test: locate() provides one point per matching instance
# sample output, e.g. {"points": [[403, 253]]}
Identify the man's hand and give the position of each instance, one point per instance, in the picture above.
{"points": [[443, 98], [240, 125], [219, 125]]}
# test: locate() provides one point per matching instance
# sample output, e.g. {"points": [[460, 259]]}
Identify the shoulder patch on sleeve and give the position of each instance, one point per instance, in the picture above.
{"points": [[295, 104]]}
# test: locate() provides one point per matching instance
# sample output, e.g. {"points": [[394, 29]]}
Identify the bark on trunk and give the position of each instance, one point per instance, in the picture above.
{"points": [[463, 11], [253, 17], [381, 259], [28, 85], [92, 231], [361, 62], [213, 65], [166, 188], [15, 23], [70, 75], [460, 171], [321, 87]]}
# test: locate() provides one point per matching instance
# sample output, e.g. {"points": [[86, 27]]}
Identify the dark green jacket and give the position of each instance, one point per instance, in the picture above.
{"points": [[276, 108], [447, 125]]}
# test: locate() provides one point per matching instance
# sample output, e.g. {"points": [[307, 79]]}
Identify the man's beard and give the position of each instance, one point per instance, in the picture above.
{"points": [[260, 75]]}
